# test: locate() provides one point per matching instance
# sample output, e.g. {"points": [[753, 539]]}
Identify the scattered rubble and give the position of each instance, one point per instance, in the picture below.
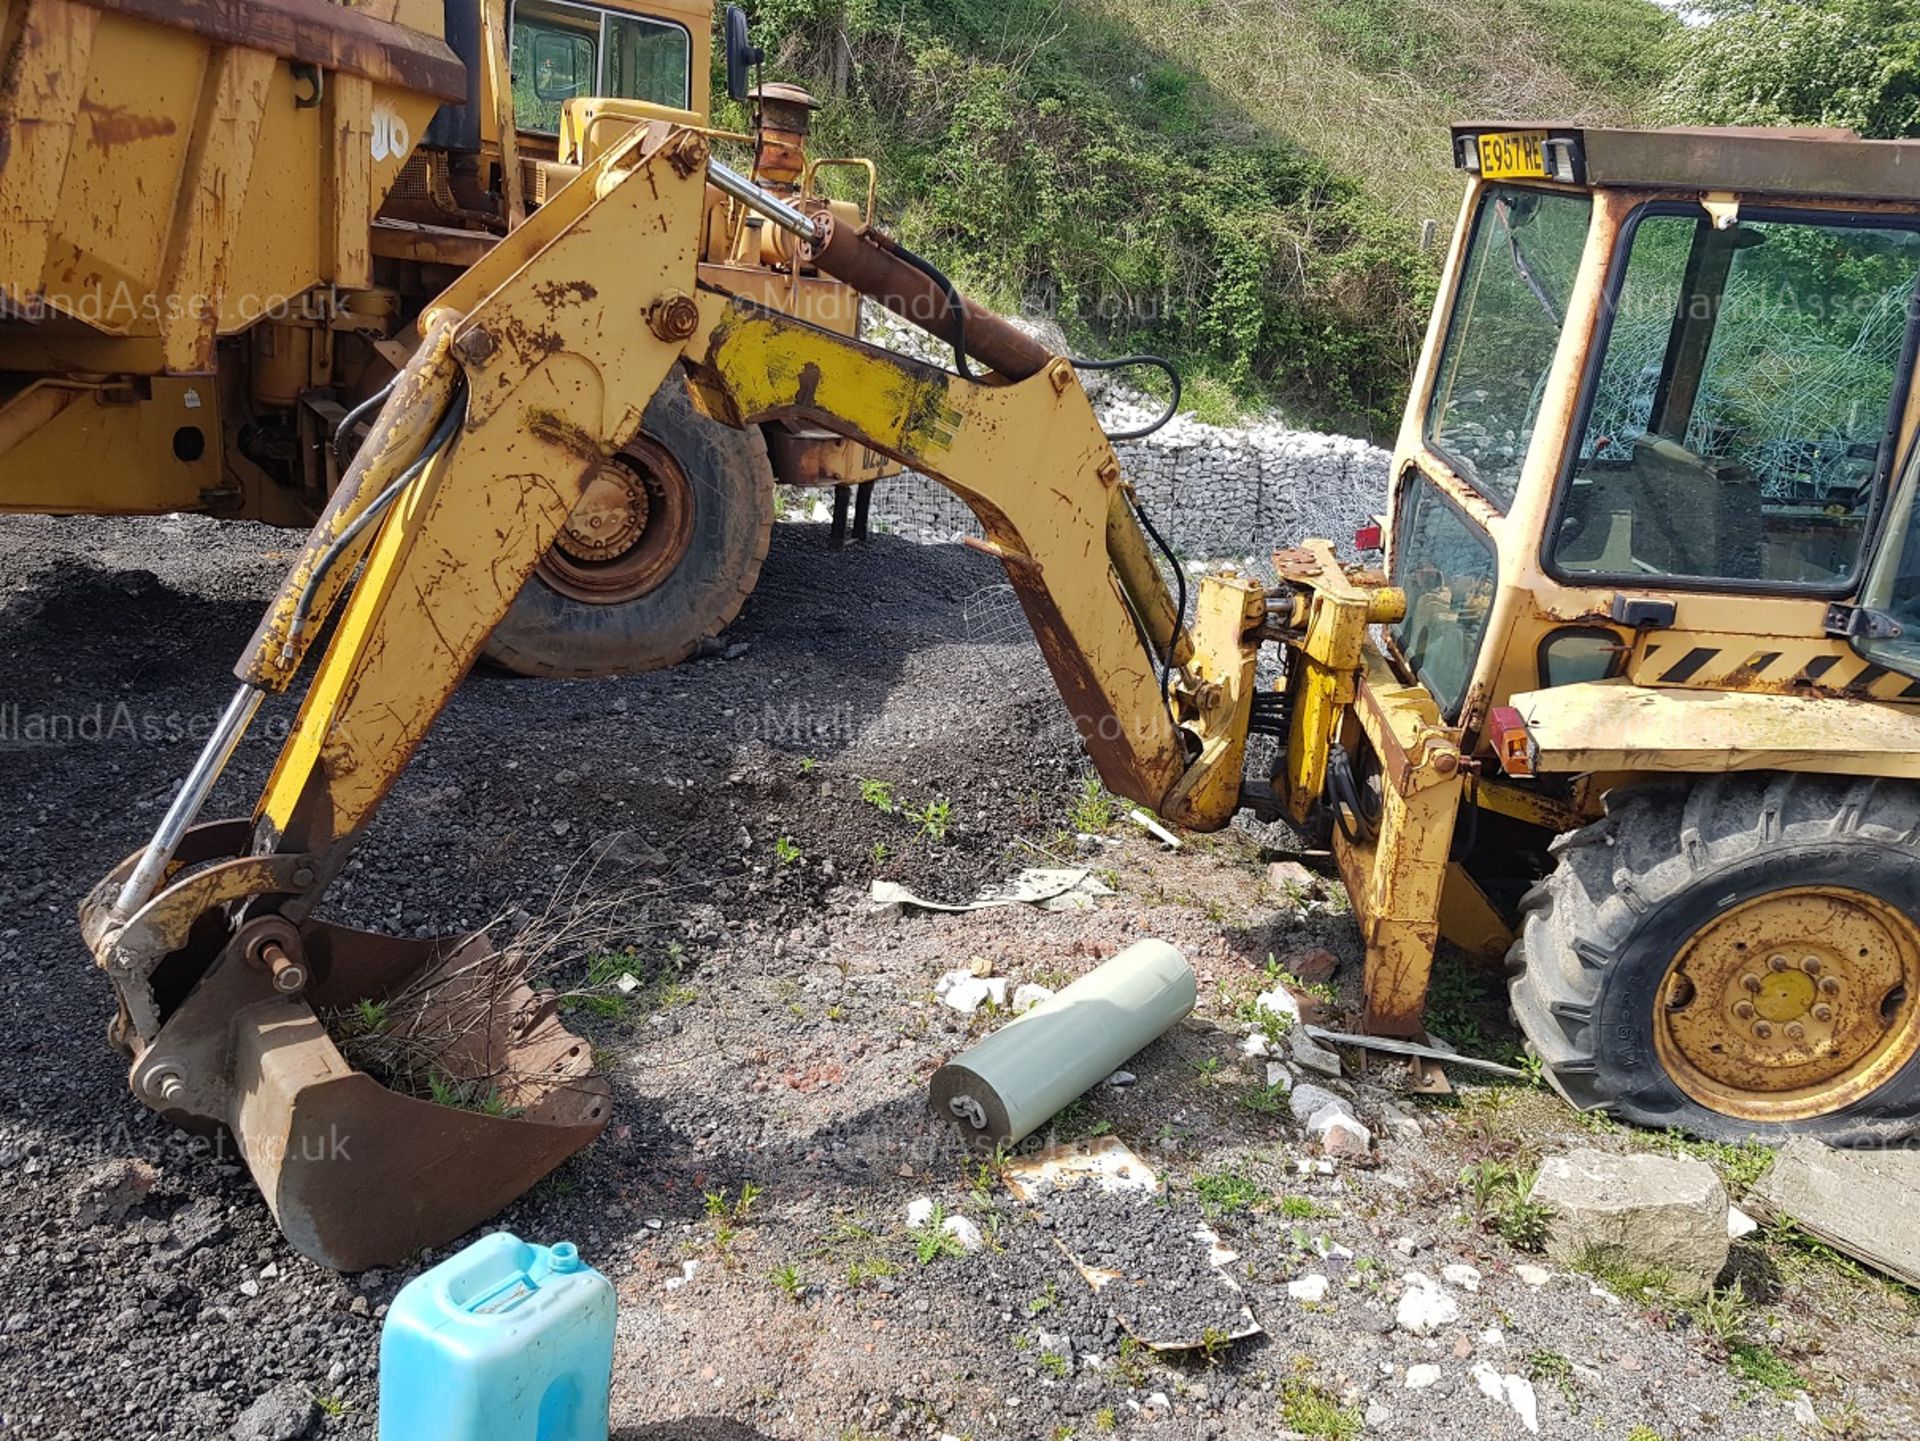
{"points": [[965, 992], [110, 1190], [1314, 1056], [1666, 1213], [1424, 1308], [963, 1230], [285, 1413], [1042, 888], [1515, 1392]]}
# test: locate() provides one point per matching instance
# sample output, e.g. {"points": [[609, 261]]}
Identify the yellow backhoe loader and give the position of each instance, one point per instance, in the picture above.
{"points": [[224, 247], [1641, 657]]}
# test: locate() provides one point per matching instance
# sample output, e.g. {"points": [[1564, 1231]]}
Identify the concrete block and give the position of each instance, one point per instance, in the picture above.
{"points": [[1660, 1212]]}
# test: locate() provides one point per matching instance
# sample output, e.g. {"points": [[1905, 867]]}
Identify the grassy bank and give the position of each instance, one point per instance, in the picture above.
{"points": [[1241, 186]]}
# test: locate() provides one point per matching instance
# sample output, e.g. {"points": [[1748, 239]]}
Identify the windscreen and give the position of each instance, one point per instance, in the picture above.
{"points": [[1507, 314], [565, 52]]}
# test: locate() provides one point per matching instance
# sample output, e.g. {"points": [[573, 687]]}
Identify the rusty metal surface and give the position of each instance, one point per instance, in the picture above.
{"points": [[1028, 458], [631, 530], [1792, 1004], [322, 1139], [823, 460], [1397, 874], [1806, 664], [429, 244], [866, 260], [317, 32], [1614, 725]]}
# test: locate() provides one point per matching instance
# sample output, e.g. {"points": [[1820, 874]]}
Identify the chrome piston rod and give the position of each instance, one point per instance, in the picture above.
{"points": [[760, 202], [192, 795]]}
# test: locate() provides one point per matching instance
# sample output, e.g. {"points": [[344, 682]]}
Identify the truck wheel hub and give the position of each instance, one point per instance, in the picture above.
{"points": [[630, 531], [1792, 1005]]}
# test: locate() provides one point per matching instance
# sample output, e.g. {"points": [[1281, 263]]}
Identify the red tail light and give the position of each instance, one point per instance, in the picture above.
{"points": [[1507, 729], [1368, 537]]}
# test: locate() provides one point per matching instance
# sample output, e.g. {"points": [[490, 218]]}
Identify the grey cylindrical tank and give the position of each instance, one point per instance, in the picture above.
{"points": [[1014, 1081]]}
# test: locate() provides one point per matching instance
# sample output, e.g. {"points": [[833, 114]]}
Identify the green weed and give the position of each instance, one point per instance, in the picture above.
{"points": [[331, 1407], [933, 1242], [1498, 1197], [1763, 1366], [934, 819], [878, 794], [1304, 1208], [1222, 1192], [787, 1280], [1094, 811], [786, 850], [1632, 1280], [1265, 1100], [1312, 1410], [1551, 1366]]}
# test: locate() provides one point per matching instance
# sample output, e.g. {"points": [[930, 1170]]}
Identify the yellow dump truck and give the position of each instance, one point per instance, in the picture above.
{"points": [[219, 223]]}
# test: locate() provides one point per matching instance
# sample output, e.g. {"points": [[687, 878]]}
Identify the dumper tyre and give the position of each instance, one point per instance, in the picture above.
{"points": [[684, 516], [1673, 968]]}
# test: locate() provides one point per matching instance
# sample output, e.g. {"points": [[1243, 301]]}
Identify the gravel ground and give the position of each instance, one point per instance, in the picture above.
{"points": [[749, 1199]]}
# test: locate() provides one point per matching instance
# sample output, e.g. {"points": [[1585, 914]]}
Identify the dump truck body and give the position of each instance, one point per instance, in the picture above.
{"points": [[222, 223]]}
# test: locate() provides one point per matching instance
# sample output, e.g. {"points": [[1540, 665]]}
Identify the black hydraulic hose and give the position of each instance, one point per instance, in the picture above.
{"points": [[442, 436], [1128, 362], [956, 306], [341, 456], [1180, 596]]}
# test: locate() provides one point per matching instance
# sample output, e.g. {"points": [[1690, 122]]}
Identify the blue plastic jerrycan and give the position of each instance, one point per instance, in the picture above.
{"points": [[506, 1341]]}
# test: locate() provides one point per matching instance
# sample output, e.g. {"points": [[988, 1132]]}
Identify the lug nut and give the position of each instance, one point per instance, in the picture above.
{"points": [[1776, 963], [1810, 964], [1751, 983], [1796, 1031], [1743, 1009], [1823, 1013], [1762, 1029], [1829, 986]]}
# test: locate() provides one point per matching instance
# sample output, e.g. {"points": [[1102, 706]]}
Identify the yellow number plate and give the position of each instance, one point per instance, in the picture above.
{"points": [[1511, 154]]}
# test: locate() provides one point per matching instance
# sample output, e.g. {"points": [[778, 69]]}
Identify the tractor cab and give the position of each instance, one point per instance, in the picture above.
{"points": [[1650, 678], [1659, 416]]}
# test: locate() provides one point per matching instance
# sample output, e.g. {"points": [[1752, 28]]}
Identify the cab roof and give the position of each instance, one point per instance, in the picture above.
{"points": [[1824, 164]]}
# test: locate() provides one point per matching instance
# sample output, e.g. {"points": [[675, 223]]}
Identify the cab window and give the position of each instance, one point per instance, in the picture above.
{"points": [[1446, 566], [1511, 302], [1737, 420], [564, 52]]}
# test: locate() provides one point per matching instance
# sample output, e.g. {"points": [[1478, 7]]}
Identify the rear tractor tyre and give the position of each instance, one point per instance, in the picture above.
{"points": [[1737, 958], [660, 554]]}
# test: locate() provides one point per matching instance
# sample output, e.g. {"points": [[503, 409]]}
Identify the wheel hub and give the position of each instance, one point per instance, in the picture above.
{"points": [[1792, 1004], [630, 531], [610, 519]]}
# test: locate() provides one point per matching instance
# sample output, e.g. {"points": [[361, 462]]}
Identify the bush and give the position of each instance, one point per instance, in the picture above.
{"points": [[1852, 63]]}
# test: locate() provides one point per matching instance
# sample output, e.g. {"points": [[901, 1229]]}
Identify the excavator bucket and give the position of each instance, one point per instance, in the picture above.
{"points": [[386, 1093]]}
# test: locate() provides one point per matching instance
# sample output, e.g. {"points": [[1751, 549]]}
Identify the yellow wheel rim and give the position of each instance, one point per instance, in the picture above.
{"points": [[1794, 1004]]}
